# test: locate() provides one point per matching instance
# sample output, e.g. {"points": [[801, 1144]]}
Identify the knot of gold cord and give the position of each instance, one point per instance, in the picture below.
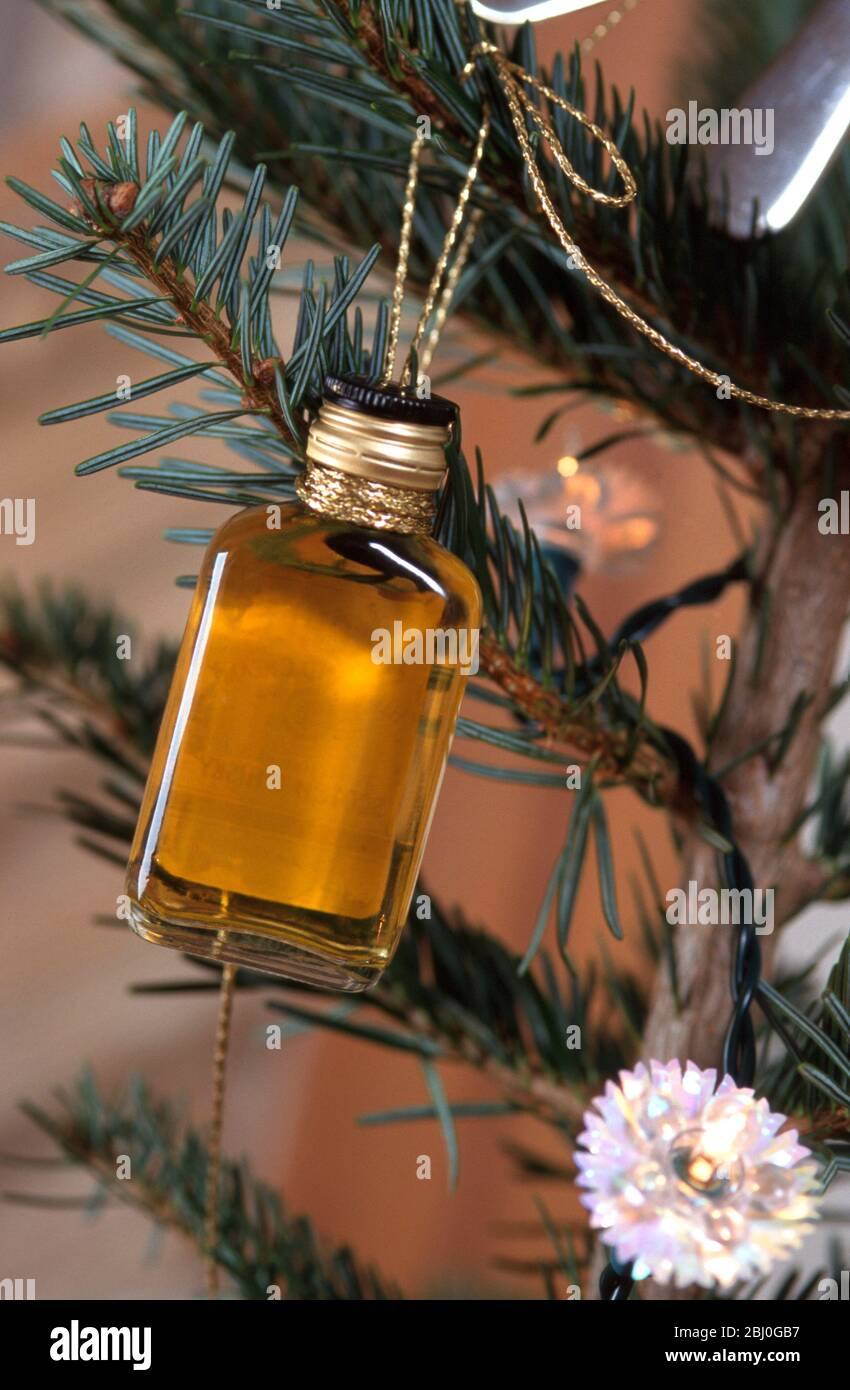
{"points": [[514, 80]]}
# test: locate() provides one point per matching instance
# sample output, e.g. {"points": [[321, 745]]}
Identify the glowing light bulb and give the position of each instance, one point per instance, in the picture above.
{"points": [[596, 514], [567, 466], [701, 1159], [694, 1182], [637, 533]]}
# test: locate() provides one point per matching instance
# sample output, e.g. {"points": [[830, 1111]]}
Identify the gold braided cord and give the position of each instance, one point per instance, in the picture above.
{"points": [[403, 251], [447, 295], [512, 77], [365, 502], [448, 245], [222, 1038], [434, 289]]}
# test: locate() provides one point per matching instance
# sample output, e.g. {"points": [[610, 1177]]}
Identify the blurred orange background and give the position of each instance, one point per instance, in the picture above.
{"points": [[65, 982]]}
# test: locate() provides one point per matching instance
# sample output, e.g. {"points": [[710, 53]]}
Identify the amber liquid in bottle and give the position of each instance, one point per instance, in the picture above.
{"points": [[294, 778]]}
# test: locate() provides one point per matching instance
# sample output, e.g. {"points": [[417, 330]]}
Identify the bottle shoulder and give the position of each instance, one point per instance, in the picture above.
{"points": [[262, 519], [454, 574], [290, 533]]}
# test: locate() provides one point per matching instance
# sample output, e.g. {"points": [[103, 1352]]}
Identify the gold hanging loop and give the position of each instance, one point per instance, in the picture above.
{"points": [[512, 78], [443, 260], [222, 1039], [449, 287], [514, 81], [403, 252], [438, 294]]}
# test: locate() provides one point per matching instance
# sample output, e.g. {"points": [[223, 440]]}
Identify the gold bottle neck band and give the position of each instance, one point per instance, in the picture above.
{"points": [[364, 502], [374, 471]]}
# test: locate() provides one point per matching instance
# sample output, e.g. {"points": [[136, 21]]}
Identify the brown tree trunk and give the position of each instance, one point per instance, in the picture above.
{"points": [[806, 586]]}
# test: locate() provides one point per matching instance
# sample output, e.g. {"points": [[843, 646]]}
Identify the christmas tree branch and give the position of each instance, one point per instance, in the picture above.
{"points": [[527, 1038], [203, 323], [522, 1032], [285, 72], [574, 733], [524, 1036], [162, 235], [184, 268], [133, 1147], [62, 655]]}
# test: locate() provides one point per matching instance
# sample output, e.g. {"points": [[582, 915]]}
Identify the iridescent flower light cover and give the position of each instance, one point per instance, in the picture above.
{"points": [[693, 1184]]}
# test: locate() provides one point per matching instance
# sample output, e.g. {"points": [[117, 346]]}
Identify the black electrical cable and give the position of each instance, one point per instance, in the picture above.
{"points": [[739, 1050], [644, 621], [616, 1282]]}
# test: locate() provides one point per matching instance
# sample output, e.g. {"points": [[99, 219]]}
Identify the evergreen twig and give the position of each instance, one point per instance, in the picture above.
{"points": [[267, 1252]]}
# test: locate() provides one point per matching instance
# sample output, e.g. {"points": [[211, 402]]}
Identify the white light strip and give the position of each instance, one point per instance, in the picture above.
{"points": [[544, 9], [405, 564], [188, 695], [793, 197]]}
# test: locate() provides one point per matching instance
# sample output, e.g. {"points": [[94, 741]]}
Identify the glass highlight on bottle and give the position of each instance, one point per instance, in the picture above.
{"points": [[312, 708]]}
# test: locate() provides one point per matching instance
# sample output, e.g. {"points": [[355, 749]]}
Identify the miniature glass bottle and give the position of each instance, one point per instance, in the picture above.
{"points": [[310, 716]]}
